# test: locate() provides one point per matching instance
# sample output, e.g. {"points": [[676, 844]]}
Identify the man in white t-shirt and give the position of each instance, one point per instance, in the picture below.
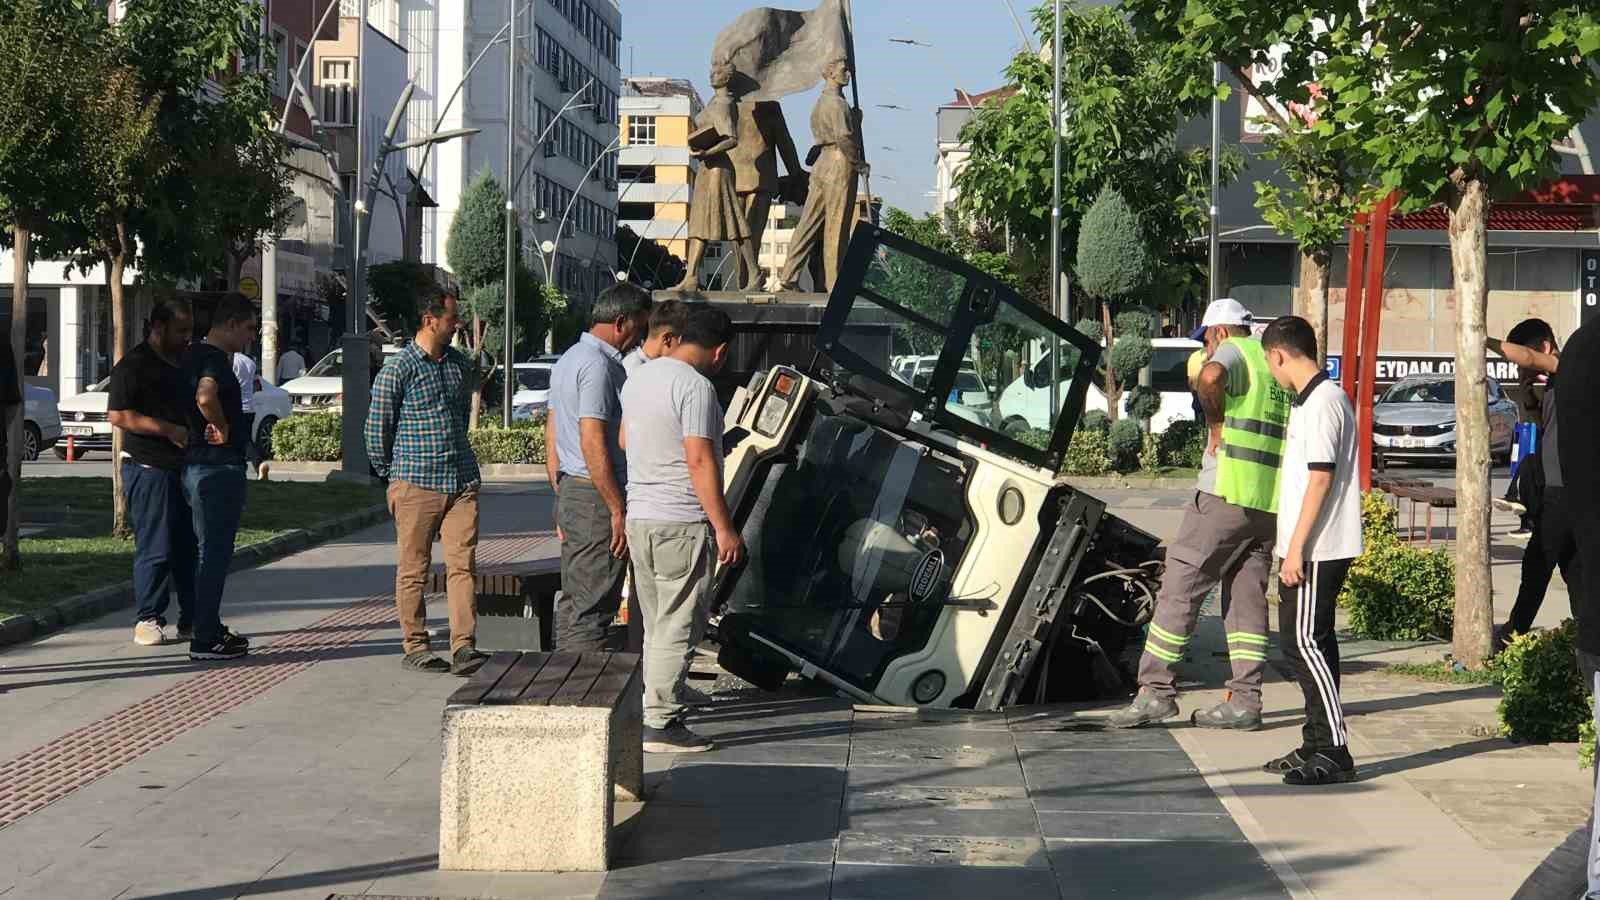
{"points": [[1319, 536], [678, 522], [244, 369]]}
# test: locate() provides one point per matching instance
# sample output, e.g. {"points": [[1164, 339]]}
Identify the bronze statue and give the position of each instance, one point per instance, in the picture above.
{"points": [[830, 210], [715, 213], [763, 137]]}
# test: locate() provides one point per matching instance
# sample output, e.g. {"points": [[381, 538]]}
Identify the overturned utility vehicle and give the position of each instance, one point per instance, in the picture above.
{"points": [[906, 546]]}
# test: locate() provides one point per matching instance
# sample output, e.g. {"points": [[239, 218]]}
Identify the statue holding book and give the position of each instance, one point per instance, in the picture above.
{"points": [[715, 211]]}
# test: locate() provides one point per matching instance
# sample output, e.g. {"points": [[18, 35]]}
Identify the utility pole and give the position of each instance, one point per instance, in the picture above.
{"points": [[508, 329], [356, 388], [1055, 218], [1216, 148]]}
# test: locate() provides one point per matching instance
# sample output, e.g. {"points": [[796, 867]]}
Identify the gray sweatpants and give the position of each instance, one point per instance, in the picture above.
{"points": [[672, 574], [1219, 543]]}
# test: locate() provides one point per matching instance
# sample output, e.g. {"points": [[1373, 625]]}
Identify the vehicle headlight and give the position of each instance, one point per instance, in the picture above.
{"points": [[524, 412]]}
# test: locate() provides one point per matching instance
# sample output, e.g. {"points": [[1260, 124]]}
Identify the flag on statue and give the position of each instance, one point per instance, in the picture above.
{"points": [[777, 52]]}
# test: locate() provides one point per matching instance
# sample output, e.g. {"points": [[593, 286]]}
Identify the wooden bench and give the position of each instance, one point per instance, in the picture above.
{"points": [[516, 603], [537, 746]]}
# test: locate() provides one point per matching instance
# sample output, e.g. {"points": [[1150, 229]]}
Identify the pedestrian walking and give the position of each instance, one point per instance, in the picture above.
{"points": [[582, 422], [213, 470], [148, 401], [291, 365], [666, 323], [1554, 541], [244, 369], [1319, 536], [678, 517], [1228, 530], [416, 436]]}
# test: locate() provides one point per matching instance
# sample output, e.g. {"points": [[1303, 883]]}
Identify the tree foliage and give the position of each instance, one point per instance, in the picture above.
{"points": [[476, 246], [1113, 263]]}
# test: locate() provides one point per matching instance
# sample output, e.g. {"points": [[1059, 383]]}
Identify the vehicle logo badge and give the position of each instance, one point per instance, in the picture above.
{"points": [[925, 578], [81, 417]]}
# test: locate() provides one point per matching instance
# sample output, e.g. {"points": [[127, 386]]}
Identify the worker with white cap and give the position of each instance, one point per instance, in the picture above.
{"points": [[1228, 530]]}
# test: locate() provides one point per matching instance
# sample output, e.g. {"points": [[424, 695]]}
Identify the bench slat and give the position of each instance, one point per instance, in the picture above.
{"points": [[551, 677], [485, 679], [522, 674], [576, 687], [612, 681]]}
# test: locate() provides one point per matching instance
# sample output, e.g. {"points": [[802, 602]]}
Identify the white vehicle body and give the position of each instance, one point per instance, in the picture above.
{"points": [[533, 390], [41, 421], [84, 418], [1026, 401], [321, 389]]}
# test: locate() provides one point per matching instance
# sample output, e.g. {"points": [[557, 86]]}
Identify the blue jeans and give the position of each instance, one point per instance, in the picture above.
{"points": [[216, 502], [163, 541]]}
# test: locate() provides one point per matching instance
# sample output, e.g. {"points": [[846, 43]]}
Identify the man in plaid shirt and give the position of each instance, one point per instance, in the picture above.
{"points": [[417, 440]]}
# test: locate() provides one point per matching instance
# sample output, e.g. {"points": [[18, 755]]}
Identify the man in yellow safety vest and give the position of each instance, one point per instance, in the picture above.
{"points": [[1228, 530]]}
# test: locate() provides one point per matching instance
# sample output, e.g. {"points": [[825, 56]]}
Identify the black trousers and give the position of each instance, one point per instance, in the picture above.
{"points": [[591, 578], [1554, 543], [1305, 631]]}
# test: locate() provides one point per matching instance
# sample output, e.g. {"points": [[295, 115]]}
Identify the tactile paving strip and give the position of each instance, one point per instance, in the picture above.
{"points": [[35, 779]]}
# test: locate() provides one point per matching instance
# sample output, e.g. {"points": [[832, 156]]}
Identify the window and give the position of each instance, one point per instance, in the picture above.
{"points": [[637, 174], [642, 130], [338, 92], [636, 212], [281, 62]]}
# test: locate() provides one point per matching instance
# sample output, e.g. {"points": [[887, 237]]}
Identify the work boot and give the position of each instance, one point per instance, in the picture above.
{"points": [[1229, 715], [1146, 709]]}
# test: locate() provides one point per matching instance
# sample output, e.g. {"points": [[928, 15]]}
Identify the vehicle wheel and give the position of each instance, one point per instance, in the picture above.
{"points": [[1379, 462], [32, 441], [1016, 426], [264, 436]]}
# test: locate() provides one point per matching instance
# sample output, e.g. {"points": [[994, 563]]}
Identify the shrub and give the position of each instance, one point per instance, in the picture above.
{"points": [[1128, 355], [1150, 453], [1143, 402], [1586, 743], [1543, 694], [1396, 592], [309, 437], [1037, 438], [1088, 454], [1095, 420], [1181, 445], [522, 443], [1091, 329], [1137, 322], [1125, 440], [1377, 520]]}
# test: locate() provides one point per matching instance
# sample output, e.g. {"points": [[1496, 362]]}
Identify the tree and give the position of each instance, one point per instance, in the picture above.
{"points": [[1114, 267], [476, 250], [1459, 104], [44, 89], [647, 263], [1122, 115], [1326, 184]]}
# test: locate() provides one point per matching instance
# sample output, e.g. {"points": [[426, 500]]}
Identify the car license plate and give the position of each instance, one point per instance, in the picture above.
{"points": [[78, 430], [1412, 443]]}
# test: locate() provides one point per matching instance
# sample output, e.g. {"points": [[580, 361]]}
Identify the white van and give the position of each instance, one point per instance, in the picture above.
{"points": [[1026, 401]]}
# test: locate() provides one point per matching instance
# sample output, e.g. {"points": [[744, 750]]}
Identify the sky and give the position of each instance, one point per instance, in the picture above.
{"points": [[972, 42]]}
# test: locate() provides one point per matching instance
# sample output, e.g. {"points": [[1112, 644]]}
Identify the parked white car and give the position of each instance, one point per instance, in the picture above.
{"points": [[321, 388], [41, 421], [1026, 401], [532, 395], [84, 418]]}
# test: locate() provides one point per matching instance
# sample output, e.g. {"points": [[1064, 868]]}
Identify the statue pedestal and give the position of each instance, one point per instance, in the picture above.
{"points": [[725, 299]]}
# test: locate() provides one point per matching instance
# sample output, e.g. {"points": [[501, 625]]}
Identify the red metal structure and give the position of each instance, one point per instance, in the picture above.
{"points": [[1363, 313]]}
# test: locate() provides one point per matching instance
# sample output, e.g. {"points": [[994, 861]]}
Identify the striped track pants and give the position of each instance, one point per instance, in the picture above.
{"points": [[1305, 630]]}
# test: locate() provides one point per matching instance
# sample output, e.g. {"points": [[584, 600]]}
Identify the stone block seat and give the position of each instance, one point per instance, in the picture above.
{"points": [[537, 747]]}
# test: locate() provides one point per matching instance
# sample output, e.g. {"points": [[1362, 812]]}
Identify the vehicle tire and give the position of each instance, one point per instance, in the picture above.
{"points": [[264, 436], [61, 453], [32, 441], [1016, 426], [1379, 462]]}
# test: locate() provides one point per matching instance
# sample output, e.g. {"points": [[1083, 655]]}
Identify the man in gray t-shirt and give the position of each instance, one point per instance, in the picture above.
{"points": [[1237, 383], [672, 431]]}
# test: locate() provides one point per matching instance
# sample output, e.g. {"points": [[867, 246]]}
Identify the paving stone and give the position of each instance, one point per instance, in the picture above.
{"points": [[785, 753], [700, 784], [1193, 871], [1168, 826], [997, 774], [1103, 781], [854, 882], [700, 879], [758, 832], [892, 849], [883, 813]]}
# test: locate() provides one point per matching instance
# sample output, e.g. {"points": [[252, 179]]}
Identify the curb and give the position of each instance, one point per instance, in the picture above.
{"points": [[1134, 482], [491, 472], [21, 627]]}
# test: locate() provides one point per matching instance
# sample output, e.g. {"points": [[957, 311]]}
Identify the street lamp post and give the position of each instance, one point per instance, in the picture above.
{"points": [[508, 329], [1055, 214]]}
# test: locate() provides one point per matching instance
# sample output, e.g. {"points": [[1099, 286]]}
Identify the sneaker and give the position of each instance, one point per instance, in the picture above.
{"points": [[219, 649], [1146, 709], [1330, 766], [1228, 715], [1506, 504], [153, 633], [467, 660], [229, 636], [675, 738], [689, 696], [424, 661]]}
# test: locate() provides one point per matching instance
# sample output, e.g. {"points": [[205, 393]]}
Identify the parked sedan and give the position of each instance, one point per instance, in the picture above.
{"points": [[1416, 419], [84, 418], [41, 421]]}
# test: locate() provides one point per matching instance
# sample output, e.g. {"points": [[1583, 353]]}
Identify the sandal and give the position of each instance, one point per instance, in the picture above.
{"points": [[424, 661], [1294, 759], [1321, 769]]}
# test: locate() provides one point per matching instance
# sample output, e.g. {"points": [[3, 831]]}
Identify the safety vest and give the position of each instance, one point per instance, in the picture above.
{"points": [[1255, 427]]}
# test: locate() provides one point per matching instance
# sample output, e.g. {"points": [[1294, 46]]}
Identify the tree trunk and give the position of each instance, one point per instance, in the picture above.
{"points": [[1469, 258], [235, 270], [10, 555], [1311, 295], [115, 270], [1113, 390], [477, 395]]}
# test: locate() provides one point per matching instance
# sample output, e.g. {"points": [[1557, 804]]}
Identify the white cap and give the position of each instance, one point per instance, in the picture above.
{"points": [[1227, 311]]}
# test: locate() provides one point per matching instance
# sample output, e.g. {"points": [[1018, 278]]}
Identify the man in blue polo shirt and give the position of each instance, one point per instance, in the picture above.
{"points": [[587, 467]]}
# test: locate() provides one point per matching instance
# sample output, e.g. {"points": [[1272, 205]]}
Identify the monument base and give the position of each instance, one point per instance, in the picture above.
{"points": [[751, 298]]}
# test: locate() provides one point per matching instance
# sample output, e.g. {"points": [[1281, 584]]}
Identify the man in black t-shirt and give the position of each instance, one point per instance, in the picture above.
{"points": [[213, 470], [147, 401]]}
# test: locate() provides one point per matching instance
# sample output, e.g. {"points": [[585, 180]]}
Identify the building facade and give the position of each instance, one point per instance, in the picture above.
{"points": [[655, 171], [565, 186]]}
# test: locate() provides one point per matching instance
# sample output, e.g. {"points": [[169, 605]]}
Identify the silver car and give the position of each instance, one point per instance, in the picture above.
{"points": [[1416, 419]]}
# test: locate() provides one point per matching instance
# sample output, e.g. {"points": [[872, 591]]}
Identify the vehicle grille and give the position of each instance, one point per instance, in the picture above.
{"points": [[315, 400], [1412, 430], [71, 418]]}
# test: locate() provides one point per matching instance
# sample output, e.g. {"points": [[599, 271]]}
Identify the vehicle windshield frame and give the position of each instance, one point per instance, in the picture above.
{"points": [[981, 300]]}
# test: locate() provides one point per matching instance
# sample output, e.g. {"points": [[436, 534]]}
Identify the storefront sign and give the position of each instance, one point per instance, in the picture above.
{"points": [[250, 288], [1588, 285], [1394, 366]]}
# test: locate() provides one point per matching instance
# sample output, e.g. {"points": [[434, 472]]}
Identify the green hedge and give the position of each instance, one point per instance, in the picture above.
{"points": [[308, 437], [1089, 454], [1181, 445], [1397, 592], [1544, 697], [315, 437]]}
